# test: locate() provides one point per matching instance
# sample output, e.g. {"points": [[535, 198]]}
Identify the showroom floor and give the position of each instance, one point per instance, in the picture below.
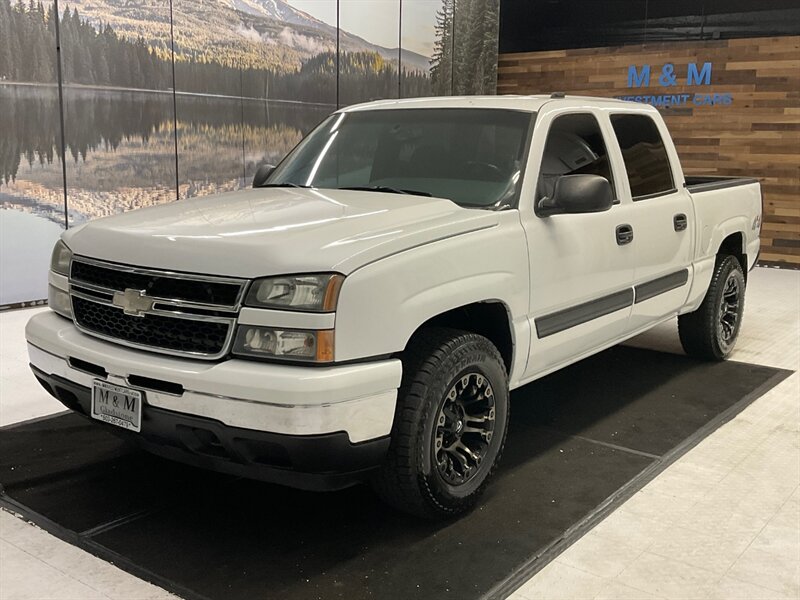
{"points": [[722, 522]]}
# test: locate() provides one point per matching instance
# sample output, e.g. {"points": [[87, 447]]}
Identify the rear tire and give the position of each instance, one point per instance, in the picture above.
{"points": [[450, 424], [710, 332]]}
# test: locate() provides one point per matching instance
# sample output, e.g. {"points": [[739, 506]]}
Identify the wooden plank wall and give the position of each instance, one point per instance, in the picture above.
{"points": [[757, 135]]}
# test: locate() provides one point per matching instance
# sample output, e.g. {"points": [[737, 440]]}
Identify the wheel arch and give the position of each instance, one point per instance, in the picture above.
{"points": [[489, 318], [735, 245]]}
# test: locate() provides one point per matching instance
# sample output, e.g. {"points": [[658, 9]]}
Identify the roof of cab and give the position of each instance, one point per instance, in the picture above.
{"points": [[508, 102]]}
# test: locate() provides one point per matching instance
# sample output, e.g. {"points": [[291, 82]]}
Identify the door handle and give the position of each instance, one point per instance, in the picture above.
{"points": [[624, 234], [680, 222]]}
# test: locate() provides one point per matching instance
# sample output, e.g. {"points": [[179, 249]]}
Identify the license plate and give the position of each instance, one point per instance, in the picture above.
{"points": [[117, 405]]}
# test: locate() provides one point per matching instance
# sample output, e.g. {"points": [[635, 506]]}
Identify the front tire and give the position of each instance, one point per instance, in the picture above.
{"points": [[710, 332], [450, 424]]}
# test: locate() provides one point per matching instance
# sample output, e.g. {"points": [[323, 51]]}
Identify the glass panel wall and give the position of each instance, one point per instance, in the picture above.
{"points": [[369, 50], [118, 116], [31, 184], [422, 29]]}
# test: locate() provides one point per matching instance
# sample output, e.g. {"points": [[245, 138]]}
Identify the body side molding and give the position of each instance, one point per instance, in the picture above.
{"points": [[583, 313], [661, 285]]}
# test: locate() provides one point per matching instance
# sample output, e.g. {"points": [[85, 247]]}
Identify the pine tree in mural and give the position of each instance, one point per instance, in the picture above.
{"points": [[5, 38], [442, 59], [476, 57], [27, 45], [465, 50]]}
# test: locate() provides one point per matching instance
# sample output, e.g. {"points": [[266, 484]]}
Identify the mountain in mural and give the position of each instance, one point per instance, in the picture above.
{"points": [[275, 9], [242, 33]]}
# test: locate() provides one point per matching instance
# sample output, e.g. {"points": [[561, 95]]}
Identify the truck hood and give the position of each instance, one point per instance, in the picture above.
{"points": [[274, 231]]}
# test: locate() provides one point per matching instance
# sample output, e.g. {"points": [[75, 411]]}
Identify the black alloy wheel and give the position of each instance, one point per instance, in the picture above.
{"points": [[710, 332], [450, 424], [728, 321], [464, 428]]}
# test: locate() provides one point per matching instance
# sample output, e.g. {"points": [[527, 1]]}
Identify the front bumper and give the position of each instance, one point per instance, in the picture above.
{"points": [[329, 421], [315, 462]]}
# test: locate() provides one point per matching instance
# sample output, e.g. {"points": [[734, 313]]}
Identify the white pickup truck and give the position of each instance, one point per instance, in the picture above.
{"points": [[362, 313]]}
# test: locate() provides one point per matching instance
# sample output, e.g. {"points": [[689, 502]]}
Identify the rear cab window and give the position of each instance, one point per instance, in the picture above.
{"points": [[644, 154]]}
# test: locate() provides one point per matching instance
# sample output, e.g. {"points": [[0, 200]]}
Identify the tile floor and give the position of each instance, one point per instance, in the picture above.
{"points": [[723, 522]]}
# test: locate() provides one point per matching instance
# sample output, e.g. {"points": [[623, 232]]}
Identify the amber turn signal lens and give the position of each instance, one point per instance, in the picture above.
{"points": [[325, 346], [332, 292]]}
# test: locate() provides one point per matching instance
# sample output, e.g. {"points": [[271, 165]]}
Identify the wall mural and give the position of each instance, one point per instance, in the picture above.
{"points": [[251, 77]]}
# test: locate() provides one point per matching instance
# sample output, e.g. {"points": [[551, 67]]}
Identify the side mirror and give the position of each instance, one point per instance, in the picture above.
{"points": [[578, 194], [262, 174]]}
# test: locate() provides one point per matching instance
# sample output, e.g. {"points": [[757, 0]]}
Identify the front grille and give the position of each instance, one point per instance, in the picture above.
{"points": [[158, 285], [186, 336], [181, 314]]}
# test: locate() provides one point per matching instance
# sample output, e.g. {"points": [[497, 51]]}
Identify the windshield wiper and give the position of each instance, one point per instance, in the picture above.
{"points": [[283, 185], [384, 188]]}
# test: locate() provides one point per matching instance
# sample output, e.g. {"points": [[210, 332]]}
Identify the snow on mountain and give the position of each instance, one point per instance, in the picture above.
{"points": [[278, 10]]}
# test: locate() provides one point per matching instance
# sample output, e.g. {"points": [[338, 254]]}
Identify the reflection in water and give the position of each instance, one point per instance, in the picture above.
{"points": [[120, 147], [217, 152], [29, 131], [120, 152]]}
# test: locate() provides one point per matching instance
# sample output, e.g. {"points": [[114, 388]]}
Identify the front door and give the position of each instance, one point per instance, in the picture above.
{"points": [[581, 265]]}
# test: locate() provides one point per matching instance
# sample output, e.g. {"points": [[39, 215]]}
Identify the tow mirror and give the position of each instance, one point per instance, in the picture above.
{"points": [[262, 174], [578, 194]]}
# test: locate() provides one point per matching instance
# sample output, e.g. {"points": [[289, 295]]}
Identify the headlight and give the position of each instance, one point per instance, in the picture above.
{"points": [[61, 258], [59, 301], [284, 344], [317, 293]]}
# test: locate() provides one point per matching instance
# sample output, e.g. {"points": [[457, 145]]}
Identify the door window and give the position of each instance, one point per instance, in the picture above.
{"points": [[574, 146], [645, 156]]}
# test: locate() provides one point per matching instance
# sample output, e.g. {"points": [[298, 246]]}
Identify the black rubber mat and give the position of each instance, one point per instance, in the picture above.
{"points": [[581, 441]]}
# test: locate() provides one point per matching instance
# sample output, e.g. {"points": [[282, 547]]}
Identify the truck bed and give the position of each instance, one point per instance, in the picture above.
{"points": [[706, 183], [724, 206]]}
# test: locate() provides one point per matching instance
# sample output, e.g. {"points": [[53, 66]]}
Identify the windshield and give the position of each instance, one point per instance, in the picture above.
{"points": [[470, 156]]}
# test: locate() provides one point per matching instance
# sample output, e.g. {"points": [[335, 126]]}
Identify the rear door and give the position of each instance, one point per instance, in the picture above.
{"points": [[662, 219]]}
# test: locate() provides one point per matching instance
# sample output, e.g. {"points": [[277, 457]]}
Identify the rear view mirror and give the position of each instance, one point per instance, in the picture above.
{"points": [[262, 174], [578, 194]]}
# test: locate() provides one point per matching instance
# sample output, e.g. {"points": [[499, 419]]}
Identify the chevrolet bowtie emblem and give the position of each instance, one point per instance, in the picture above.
{"points": [[133, 302]]}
